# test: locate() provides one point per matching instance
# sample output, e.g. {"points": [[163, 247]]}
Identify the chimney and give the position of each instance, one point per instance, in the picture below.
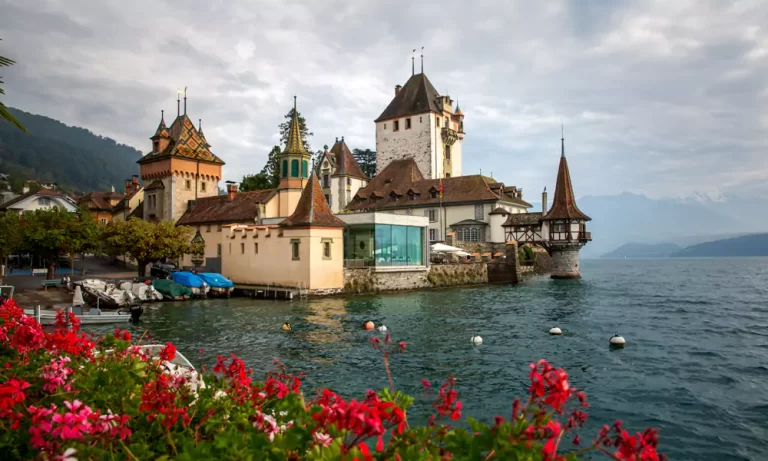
{"points": [[128, 186], [397, 89], [544, 201], [231, 191], [191, 204]]}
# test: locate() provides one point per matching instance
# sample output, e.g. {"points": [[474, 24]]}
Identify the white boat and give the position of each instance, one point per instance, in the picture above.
{"points": [[141, 291], [94, 316], [105, 294], [179, 366]]}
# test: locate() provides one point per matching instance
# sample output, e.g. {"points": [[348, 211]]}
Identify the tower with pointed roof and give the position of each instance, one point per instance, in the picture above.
{"points": [[179, 170], [294, 168], [340, 174], [420, 123]]}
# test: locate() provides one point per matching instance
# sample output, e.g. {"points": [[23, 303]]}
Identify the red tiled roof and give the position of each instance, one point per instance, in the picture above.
{"points": [[219, 209], [564, 203], [411, 189], [100, 200], [312, 209], [351, 167], [185, 142], [523, 219]]}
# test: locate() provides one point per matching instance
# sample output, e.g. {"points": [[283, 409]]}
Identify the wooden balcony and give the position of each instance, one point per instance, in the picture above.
{"points": [[585, 236]]}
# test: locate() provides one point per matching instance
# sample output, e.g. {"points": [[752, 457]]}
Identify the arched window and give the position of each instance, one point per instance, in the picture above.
{"points": [[285, 168], [304, 171], [475, 235], [294, 168]]}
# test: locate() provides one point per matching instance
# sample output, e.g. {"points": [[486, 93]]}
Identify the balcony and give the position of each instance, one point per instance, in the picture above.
{"points": [[585, 236], [449, 136]]}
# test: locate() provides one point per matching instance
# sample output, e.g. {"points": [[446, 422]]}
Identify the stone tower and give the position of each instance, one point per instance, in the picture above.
{"points": [[180, 169], [422, 124], [566, 225], [294, 168]]}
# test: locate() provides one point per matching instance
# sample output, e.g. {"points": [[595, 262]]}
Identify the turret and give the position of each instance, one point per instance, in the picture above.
{"points": [[162, 137]]}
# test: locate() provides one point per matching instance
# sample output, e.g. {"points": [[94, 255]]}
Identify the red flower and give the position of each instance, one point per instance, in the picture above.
{"points": [[402, 346], [168, 353]]}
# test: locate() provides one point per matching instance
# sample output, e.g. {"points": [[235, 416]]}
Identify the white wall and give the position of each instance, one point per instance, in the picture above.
{"points": [[416, 142], [33, 203]]}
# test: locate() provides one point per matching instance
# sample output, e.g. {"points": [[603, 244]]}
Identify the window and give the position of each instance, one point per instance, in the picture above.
{"points": [[326, 180], [155, 145], [295, 249], [447, 175], [408, 124], [242, 248], [419, 119], [188, 184], [294, 168], [328, 199], [396, 126], [103, 220], [432, 215], [202, 186], [349, 181], [434, 235], [208, 228], [385, 126], [433, 194], [218, 249], [285, 168], [256, 248], [327, 248], [44, 201], [304, 169], [437, 121], [478, 212], [218, 228], [446, 123], [409, 211], [447, 152], [474, 235], [559, 228]]}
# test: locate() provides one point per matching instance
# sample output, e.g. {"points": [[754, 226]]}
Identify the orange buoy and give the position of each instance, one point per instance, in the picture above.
{"points": [[368, 325]]}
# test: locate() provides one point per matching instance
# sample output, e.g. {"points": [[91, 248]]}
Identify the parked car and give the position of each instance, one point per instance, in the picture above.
{"points": [[162, 270]]}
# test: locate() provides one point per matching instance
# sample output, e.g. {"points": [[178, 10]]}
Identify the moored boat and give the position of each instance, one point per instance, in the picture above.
{"points": [[94, 316], [143, 292], [105, 295], [220, 285], [171, 290], [191, 281]]}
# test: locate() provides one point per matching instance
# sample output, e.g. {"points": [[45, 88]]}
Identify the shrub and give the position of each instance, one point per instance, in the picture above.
{"points": [[67, 396]]}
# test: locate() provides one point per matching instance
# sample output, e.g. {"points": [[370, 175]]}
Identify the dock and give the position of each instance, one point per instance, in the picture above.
{"points": [[267, 291]]}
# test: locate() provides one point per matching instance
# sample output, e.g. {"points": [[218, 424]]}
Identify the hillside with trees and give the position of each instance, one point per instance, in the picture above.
{"points": [[74, 158], [747, 245]]}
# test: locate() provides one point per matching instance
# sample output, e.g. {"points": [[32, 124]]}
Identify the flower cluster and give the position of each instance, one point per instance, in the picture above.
{"points": [[58, 391]]}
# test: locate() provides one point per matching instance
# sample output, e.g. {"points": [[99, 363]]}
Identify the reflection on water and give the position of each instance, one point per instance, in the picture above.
{"points": [[695, 363]]}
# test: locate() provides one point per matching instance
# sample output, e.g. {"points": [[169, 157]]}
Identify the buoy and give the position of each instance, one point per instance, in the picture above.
{"points": [[555, 331], [617, 341], [287, 327], [382, 329], [368, 325], [476, 340]]}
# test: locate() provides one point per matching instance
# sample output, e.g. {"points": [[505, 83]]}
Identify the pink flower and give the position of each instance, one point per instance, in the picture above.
{"points": [[322, 439]]}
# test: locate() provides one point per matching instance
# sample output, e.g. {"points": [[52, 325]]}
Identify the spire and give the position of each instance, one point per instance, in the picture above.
{"points": [[422, 59], [562, 141], [185, 100], [295, 144], [200, 132], [413, 62], [458, 110], [564, 203], [178, 104], [162, 130], [312, 209]]}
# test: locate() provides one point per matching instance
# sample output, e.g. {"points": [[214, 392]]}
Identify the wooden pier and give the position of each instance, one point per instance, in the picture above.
{"points": [[267, 291]]}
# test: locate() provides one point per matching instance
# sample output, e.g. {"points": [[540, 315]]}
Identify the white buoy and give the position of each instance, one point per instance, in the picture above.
{"points": [[617, 341], [476, 340], [382, 329], [555, 331]]}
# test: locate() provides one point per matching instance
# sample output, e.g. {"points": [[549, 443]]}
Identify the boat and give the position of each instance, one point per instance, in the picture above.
{"points": [[94, 316], [172, 291], [191, 281], [142, 292], [178, 366], [220, 285], [105, 295]]}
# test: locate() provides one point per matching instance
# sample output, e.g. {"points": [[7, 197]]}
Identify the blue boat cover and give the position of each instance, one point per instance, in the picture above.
{"points": [[188, 279], [216, 280]]}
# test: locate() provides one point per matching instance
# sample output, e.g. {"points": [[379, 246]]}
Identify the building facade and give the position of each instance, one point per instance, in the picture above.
{"points": [[42, 199], [340, 175], [180, 168], [420, 123]]}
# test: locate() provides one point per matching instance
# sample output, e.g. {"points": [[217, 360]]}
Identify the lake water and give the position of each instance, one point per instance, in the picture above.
{"points": [[696, 362]]}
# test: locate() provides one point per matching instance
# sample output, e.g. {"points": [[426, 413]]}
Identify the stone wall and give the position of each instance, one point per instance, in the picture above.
{"points": [[565, 262], [367, 280], [415, 142]]}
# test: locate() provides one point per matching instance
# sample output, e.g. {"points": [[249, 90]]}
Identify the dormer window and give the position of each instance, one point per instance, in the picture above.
{"points": [[156, 146], [396, 126], [433, 193], [393, 196]]}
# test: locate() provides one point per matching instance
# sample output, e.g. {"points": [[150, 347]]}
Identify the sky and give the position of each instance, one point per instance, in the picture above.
{"points": [[657, 97]]}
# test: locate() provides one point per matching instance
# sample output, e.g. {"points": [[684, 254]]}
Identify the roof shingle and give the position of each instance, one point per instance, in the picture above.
{"points": [[185, 142], [564, 203], [351, 167], [416, 97], [312, 209], [244, 207]]}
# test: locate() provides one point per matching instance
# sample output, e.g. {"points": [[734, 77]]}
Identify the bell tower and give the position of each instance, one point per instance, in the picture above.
{"points": [[294, 168]]}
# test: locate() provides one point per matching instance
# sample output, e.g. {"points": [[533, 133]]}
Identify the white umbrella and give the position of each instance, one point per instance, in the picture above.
{"points": [[443, 248], [461, 253], [77, 300]]}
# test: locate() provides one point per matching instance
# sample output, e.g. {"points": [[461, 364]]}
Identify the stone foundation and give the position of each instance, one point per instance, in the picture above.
{"points": [[369, 280], [565, 262]]}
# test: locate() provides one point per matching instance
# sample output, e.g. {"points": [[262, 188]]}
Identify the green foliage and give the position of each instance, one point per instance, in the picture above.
{"points": [[10, 237], [268, 178], [75, 158], [286, 126], [53, 233], [4, 113], [367, 160], [147, 241]]}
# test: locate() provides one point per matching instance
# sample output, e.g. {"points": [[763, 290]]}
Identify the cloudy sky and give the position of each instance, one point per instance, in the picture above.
{"points": [[665, 98]]}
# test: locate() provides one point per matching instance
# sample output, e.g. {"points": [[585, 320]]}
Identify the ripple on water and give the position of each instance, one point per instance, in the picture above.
{"points": [[696, 362]]}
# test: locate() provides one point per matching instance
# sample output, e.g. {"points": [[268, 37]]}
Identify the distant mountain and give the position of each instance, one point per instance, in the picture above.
{"points": [[643, 250], [625, 218], [747, 245], [73, 157]]}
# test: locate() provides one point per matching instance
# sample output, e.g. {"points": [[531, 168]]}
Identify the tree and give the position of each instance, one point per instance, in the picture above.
{"points": [[367, 160], [146, 241], [286, 126], [53, 233], [269, 177], [4, 114], [10, 237]]}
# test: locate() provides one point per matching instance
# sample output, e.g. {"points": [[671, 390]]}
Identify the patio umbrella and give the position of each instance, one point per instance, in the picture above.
{"points": [[443, 248]]}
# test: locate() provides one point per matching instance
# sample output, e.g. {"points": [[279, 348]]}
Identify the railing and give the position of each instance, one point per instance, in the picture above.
{"points": [[449, 136], [586, 236]]}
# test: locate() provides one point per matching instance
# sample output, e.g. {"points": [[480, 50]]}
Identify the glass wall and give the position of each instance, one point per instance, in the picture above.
{"points": [[384, 245]]}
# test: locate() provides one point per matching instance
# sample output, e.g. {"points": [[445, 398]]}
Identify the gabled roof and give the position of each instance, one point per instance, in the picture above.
{"points": [[523, 219], [100, 200], [416, 97], [162, 130], [312, 209], [470, 222], [402, 175], [564, 203], [351, 167], [156, 184], [40, 193], [244, 207], [499, 210], [137, 212], [185, 142]]}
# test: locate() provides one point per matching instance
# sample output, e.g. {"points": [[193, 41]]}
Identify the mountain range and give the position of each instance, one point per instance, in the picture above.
{"points": [[75, 158]]}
